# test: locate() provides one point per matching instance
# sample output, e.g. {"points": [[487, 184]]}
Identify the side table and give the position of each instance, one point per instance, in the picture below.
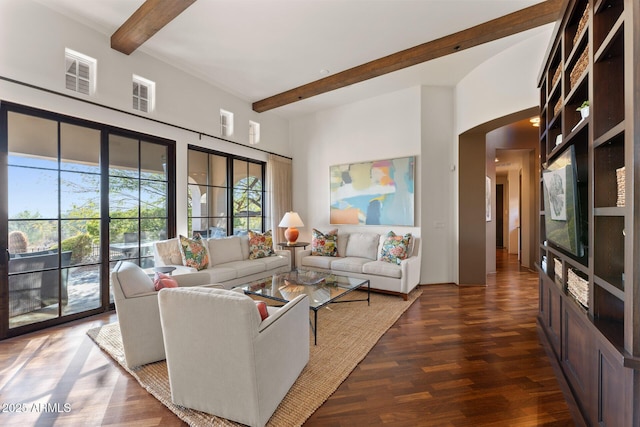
{"points": [[292, 247]]}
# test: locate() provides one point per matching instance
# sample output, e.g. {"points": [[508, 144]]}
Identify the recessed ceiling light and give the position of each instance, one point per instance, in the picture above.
{"points": [[535, 121], [325, 72]]}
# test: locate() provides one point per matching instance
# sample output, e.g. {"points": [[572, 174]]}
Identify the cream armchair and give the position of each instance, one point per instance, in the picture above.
{"points": [[137, 307], [233, 365]]}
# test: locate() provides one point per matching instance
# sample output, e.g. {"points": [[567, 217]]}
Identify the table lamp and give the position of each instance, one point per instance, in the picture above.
{"points": [[291, 220]]}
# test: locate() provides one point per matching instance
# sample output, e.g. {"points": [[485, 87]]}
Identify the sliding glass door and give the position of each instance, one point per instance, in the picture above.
{"points": [[79, 197]]}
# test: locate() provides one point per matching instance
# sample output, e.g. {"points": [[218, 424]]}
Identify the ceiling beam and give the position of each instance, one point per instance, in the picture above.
{"points": [[513, 23], [145, 22]]}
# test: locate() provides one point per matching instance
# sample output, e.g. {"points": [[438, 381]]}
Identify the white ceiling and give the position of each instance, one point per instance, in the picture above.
{"points": [[258, 48]]}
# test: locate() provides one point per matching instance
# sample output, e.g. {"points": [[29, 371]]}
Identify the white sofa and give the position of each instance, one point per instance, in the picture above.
{"points": [[359, 256], [229, 263], [239, 367]]}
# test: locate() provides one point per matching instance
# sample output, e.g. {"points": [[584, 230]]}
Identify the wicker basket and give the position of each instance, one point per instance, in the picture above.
{"points": [[556, 76], [584, 19], [578, 288], [580, 67], [557, 107], [557, 268], [620, 177]]}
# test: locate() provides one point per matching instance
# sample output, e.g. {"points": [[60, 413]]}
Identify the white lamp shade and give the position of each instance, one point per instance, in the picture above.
{"points": [[291, 219]]}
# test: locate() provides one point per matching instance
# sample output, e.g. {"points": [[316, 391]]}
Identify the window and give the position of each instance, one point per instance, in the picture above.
{"points": [[80, 72], [254, 132], [143, 94], [226, 123], [225, 194], [80, 197]]}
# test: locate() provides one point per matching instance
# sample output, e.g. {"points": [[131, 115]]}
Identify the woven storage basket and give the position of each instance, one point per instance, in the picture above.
{"points": [[556, 76], [578, 288], [557, 268], [620, 177], [581, 24], [581, 65], [557, 107]]}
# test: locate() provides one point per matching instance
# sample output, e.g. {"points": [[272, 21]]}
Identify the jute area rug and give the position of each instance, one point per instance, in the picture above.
{"points": [[346, 333]]}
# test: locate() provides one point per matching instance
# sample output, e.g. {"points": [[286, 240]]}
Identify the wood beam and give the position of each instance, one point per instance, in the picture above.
{"points": [[508, 25], [145, 22]]}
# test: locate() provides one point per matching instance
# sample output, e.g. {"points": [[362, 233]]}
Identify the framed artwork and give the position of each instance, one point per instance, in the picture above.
{"points": [[487, 195], [562, 208], [380, 192]]}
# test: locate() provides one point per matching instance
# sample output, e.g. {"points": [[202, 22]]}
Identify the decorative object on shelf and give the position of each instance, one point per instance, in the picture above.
{"points": [[291, 220], [620, 178], [562, 219], [578, 288], [584, 110], [584, 113], [580, 67], [558, 139], [379, 192]]}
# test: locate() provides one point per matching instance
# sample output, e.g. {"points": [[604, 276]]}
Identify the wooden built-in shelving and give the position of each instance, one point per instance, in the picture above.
{"points": [[593, 57]]}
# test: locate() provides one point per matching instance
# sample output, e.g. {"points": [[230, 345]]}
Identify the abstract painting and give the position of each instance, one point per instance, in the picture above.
{"points": [[379, 192]]}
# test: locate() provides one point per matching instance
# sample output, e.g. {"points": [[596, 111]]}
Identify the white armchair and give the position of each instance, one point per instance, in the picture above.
{"points": [[234, 365], [136, 303]]}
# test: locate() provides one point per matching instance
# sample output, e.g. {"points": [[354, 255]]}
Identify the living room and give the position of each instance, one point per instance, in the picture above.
{"points": [[422, 120]]}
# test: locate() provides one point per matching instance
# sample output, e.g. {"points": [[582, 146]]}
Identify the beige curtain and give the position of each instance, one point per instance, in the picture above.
{"points": [[279, 193]]}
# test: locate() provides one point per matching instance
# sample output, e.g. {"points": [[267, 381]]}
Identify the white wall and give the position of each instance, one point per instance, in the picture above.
{"points": [[33, 39], [411, 122], [502, 85]]}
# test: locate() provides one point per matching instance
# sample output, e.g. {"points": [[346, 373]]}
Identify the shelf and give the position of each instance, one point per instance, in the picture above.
{"points": [[608, 284], [610, 211], [609, 94], [606, 22], [607, 41], [610, 134]]}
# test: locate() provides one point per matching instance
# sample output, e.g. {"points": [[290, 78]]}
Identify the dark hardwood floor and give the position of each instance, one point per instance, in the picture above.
{"points": [[460, 356]]}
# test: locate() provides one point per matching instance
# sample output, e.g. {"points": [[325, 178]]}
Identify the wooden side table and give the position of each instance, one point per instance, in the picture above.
{"points": [[292, 247]]}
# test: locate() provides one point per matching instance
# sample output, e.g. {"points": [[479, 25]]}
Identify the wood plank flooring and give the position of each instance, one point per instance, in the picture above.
{"points": [[460, 356]]}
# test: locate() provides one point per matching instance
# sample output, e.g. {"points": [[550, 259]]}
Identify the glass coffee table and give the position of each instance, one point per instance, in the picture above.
{"points": [[321, 288]]}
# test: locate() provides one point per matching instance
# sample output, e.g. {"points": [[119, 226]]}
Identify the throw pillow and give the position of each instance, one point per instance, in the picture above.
{"points": [[194, 253], [262, 309], [260, 245], [324, 244], [395, 248], [162, 280]]}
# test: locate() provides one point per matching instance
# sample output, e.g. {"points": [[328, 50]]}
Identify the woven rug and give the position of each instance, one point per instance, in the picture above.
{"points": [[346, 333]]}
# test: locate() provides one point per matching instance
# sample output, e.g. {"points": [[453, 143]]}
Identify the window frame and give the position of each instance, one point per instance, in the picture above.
{"points": [[230, 187]]}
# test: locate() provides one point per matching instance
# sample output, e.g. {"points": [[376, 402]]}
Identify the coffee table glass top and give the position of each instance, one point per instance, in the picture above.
{"points": [[321, 288]]}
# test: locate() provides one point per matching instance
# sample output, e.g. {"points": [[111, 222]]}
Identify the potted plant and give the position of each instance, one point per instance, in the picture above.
{"points": [[584, 109]]}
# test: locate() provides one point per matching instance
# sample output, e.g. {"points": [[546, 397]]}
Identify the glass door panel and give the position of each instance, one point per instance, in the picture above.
{"points": [[53, 217]]}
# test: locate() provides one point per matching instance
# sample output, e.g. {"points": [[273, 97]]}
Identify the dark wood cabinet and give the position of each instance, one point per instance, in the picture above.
{"points": [[590, 299]]}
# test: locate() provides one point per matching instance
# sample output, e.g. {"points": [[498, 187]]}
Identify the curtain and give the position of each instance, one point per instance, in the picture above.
{"points": [[279, 190]]}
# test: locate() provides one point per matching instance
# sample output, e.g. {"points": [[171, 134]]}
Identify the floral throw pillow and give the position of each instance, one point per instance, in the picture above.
{"points": [[260, 245], [395, 248], [194, 253], [324, 244]]}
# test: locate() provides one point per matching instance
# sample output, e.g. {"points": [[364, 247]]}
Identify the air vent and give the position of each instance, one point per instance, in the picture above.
{"points": [[143, 94], [80, 71]]}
